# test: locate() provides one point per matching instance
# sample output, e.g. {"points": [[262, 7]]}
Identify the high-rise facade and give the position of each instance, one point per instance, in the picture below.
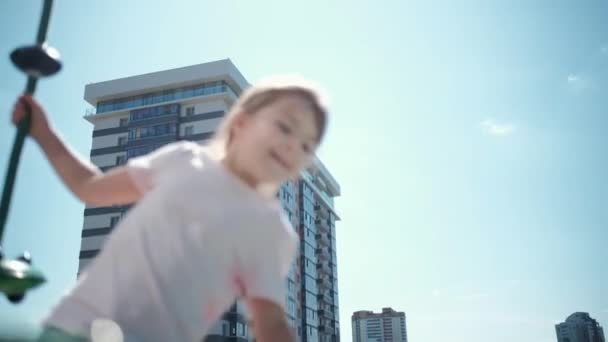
{"points": [[579, 327], [386, 326], [135, 115]]}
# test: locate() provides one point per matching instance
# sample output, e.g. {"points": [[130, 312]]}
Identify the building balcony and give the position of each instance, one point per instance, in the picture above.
{"points": [[323, 268], [322, 211], [324, 282], [323, 254], [323, 240], [326, 316], [319, 182], [167, 96], [322, 225], [328, 334], [145, 116], [326, 297], [325, 331]]}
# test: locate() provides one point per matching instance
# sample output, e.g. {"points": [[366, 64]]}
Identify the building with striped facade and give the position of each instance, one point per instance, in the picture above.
{"points": [[135, 115]]}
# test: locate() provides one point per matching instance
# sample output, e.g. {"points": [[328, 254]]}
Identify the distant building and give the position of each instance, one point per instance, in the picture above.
{"points": [[387, 326], [579, 327]]}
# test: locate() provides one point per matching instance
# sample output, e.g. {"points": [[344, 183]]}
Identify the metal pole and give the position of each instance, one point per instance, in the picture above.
{"points": [[23, 127]]}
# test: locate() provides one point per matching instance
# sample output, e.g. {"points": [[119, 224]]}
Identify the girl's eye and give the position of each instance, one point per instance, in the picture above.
{"points": [[284, 128]]}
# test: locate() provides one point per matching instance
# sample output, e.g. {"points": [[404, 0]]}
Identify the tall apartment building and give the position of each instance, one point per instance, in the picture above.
{"points": [[579, 327], [135, 115], [387, 326]]}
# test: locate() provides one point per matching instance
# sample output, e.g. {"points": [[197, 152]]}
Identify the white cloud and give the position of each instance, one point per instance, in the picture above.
{"points": [[572, 78], [578, 83], [436, 293], [497, 129]]}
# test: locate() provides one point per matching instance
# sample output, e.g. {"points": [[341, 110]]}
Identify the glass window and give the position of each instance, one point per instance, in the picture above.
{"points": [[148, 113], [168, 95], [151, 131], [114, 220], [310, 283], [164, 96], [120, 160]]}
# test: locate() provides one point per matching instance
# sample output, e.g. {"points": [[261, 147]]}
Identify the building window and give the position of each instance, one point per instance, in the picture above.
{"points": [[124, 122], [208, 88], [240, 329], [189, 111], [120, 160], [114, 220], [189, 130], [122, 141], [291, 307], [152, 131], [152, 112]]}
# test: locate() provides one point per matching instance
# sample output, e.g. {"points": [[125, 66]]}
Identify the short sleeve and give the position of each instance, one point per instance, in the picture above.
{"points": [[269, 258], [144, 170]]}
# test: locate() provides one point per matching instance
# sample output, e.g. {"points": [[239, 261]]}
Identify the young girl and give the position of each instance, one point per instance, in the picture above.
{"points": [[206, 229]]}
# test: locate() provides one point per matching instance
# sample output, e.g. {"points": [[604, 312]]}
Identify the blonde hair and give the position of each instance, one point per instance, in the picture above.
{"points": [[265, 93]]}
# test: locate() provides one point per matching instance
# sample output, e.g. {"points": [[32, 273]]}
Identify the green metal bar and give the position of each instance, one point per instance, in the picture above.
{"points": [[23, 127], [44, 21]]}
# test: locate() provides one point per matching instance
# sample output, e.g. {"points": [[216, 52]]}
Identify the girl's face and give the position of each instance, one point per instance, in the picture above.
{"points": [[276, 142]]}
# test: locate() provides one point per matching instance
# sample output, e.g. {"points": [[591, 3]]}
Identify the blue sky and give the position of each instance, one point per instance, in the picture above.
{"points": [[469, 140]]}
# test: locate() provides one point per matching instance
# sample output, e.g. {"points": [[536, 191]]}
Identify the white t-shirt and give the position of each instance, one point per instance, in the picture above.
{"points": [[197, 240]]}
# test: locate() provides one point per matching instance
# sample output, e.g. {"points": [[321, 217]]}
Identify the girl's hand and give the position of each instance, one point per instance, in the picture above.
{"points": [[39, 125]]}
